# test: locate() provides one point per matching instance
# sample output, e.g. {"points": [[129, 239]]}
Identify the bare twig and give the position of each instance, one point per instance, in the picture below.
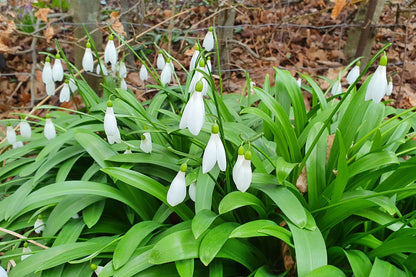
{"points": [[23, 237], [34, 62]]}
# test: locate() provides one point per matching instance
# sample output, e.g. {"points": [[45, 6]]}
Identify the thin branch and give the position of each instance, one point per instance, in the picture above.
{"points": [[23, 237]]}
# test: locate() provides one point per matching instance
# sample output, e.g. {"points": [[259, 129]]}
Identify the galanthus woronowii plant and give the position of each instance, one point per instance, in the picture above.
{"points": [[195, 182]]}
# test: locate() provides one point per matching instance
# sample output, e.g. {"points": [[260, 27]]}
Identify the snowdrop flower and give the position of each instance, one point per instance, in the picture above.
{"points": [[72, 85], [3, 272], [167, 72], [146, 143], [47, 71], [97, 269], [39, 225], [88, 59], [389, 88], [239, 161], [144, 75], [110, 53], [377, 86], [57, 70], [25, 129], [193, 115], [243, 175], [177, 189], [65, 93], [49, 130], [336, 88], [198, 76], [128, 150], [299, 82], [252, 85], [110, 124], [17, 144], [354, 73], [208, 42], [214, 152], [98, 70], [194, 58], [122, 70], [50, 88], [209, 64], [75, 216], [160, 62], [123, 84], [26, 249], [192, 191], [11, 134]]}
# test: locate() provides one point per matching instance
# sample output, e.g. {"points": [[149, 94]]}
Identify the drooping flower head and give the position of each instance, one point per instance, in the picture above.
{"points": [[160, 62], [199, 76], [49, 131], [193, 116], [25, 129], [239, 161], [65, 92], [144, 75], [208, 42], [101, 65], [177, 190], [88, 59], [243, 174], [389, 88], [122, 70], [110, 53], [209, 64], [167, 72], [11, 134], [123, 84], [194, 58], [214, 152], [72, 85], [146, 143], [354, 73], [57, 70], [110, 124], [39, 225], [377, 86], [50, 88], [96, 269], [336, 87], [192, 191], [47, 71], [26, 249]]}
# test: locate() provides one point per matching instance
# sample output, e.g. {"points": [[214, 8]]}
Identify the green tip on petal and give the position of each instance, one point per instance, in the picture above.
{"points": [[168, 60], [9, 124], [391, 79], [40, 216], [210, 29], [111, 37], [22, 116], [383, 60], [240, 150], [358, 63], [215, 128], [94, 266], [109, 103], [57, 56], [184, 167], [142, 137], [25, 245], [247, 155], [196, 47], [48, 60], [160, 51], [66, 81], [199, 86], [209, 58], [47, 116], [88, 45], [201, 63]]}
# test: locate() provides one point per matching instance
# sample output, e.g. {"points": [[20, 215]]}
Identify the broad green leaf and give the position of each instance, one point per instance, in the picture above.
{"points": [[65, 168], [372, 161], [185, 268], [201, 222], [326, 271], [160, 159], [283, 169], [342, 174], [278, 232], [403, 241], [316, 91], [92, 213], [383, 268], [360, 263], [242, 253], [382, 218], [214, 240], [237, 199], [88, 95], [54, 145], [204, 189], [70, 232], [251, 229]]}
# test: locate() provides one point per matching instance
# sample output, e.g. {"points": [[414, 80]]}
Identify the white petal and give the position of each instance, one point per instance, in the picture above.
{"points": [[210, 154], [299, 82], [98, 270], [47, 73], [110, 53], [17, 144], [104, 67], [160, 62], [39, 226], [57, 71], [122, 70], [193, 115], [123, 84], [221, 159], [377, 86], [166, 74], [65, 94], [110, 126], [353, 74], [208, 42], [146, 144], [177, 189], [11, 135], [3, 272], [144, 75], [25, 250], [88, 61], [50, 88], [243, 176], [25, 129], [195, 78], [193, 60], [389, 88], [336, 88], [72, 85], [49, 131], [192, 191], [237, 165], [75, 216], [209, 65]]}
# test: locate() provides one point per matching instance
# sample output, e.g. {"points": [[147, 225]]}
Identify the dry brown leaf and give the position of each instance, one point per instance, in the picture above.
{"points": [[48, 33], [167, 13], [302, 181], [339, 4], [114, 15], [118, 27], [42, 14]]}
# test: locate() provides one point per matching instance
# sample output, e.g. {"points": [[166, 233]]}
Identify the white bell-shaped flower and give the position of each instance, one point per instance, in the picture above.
{"points": [[146, 143], [389, 88], [25, 129], [110, 125], [65, 92], [336, 88], [192, 191], [18, 144], [214, 152], [110, 53], [209, 65], [50, 88], [299, 82], [72, 85], [49, 131], [57, 70], [88, 59], [11, 134], [3, 272], [47, 71], [208, 42], [167, 73], [193, 116], [128, 151], [240, 159], [26, 249], [123, 84], [177, 190], [144, 75], [199, 76], [354, 73], [39, 225], [243, 174], [194, 58], [103, 66], [160, 62], [377, 86], [122, 70]]}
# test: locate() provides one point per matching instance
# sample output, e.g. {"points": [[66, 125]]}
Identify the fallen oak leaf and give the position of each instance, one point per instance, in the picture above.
{"points": [[42, 14], [48, 33], [339, 4]]}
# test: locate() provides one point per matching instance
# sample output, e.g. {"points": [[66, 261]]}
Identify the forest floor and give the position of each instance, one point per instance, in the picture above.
{"points": [[299, 36]]}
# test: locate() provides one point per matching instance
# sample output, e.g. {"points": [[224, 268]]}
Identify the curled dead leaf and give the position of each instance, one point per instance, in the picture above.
{"points": [[118, 27], [42, 14], [48, 33], [339, 4]]}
